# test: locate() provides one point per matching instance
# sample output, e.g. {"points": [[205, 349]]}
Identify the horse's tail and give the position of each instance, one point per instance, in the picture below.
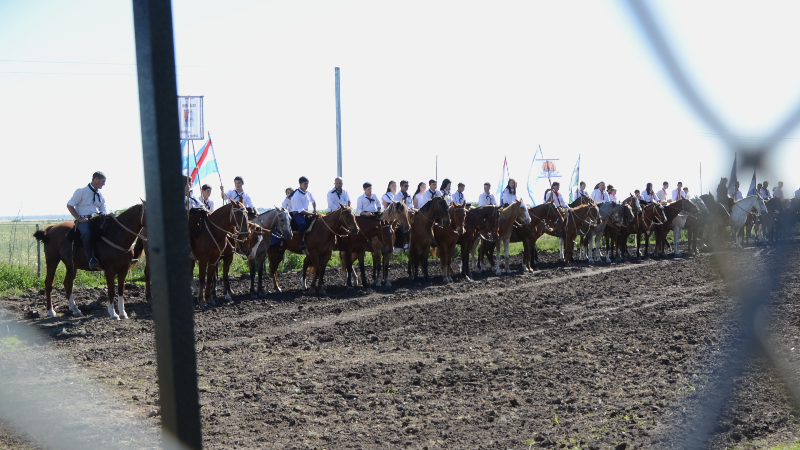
{"points": [[41, 235], [138, 249]]}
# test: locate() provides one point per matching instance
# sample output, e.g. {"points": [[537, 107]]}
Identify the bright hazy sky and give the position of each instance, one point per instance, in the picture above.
{"points": [[470, 81]]}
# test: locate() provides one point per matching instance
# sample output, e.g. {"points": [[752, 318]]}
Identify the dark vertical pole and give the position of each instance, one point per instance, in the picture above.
{"points": [[38, 256], [167, 230], [338, 126]]}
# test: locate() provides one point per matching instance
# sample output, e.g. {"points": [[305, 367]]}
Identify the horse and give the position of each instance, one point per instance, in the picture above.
{"points": [[422, 234], [376, 236], [652, 214], [210, 242], [397, 214], [676, 213], [279, 222], [629, 226], [617, 225], [505, 225], [113, 246], [541, 216], [319, 239], [771, 222], [718, 217], [447, 237], [578, 221], [739, 213], [696, 224], [582, 200], [608, 211], [480, 224]]}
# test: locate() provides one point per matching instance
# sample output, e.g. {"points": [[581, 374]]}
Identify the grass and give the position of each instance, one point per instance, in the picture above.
{"points": [[10, 344]]}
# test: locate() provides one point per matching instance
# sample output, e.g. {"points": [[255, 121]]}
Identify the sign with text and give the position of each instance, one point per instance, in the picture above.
{"points": [[547, 168], [190, 117]]}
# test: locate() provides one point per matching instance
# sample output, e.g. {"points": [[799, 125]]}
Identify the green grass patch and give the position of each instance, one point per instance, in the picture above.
{"points": [[10, 344]]}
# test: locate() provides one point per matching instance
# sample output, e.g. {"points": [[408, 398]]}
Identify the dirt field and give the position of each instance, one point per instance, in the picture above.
{"points": [[607, 356]]}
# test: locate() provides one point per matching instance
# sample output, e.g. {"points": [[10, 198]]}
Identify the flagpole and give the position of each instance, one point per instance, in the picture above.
{"points": [[216, 161], [701, 178]]}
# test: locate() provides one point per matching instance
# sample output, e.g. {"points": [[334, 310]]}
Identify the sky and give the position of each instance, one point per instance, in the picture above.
{"points": [[471, 82]]}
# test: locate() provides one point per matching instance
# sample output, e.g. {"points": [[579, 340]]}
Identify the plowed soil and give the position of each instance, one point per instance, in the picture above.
{"points": [[618, 355]]}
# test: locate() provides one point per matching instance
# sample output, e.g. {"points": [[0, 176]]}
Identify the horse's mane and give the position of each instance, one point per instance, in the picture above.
{"points": [[507, 211], [427, 205]]}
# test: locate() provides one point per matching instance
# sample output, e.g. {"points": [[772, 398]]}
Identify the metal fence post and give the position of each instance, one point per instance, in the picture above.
{"points": [[167, 229], [38, 256]]}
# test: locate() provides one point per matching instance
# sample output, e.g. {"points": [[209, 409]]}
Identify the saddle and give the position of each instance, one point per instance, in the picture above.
{"points": [[97, 226], [310, 221], [197, 217]]}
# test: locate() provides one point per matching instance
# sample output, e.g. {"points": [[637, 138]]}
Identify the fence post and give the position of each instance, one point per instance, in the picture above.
{"points": [[38, 256]]}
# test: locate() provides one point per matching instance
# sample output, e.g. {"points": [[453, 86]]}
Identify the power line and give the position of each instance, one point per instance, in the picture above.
{"points": [[124, 64]]}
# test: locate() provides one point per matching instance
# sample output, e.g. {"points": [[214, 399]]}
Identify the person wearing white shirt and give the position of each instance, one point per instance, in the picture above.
{"points": [[649, 195], [552, 195], [238, 194], [388, 196], [287, 202], [581, 190], [458, 196], [337, 196], [612, 193], [599, 194], [419, 195], [637, 193], [445, 191], [430, 193], [367, 203], [686, 191], [678, 193], [662, 194], [86, 202], [404, 196], [301, 200], [765, 191], [509, 194], [778, 191], [737, 195], [486, 198], [205, 198]]}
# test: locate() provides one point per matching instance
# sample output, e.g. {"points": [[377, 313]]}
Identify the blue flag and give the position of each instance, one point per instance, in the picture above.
{"points": [[530, 174]]}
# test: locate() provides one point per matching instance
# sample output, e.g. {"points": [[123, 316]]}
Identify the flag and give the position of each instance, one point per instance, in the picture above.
{"points": [[573, 181], [530, 174], [504, 177], [732, 179], [752, 189], [199, 165]]}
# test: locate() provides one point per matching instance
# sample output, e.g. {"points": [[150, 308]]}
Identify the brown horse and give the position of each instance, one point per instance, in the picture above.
{"points": [[375, 236], [397, 214], [672, 212], [211, 242], [505, 226], [251, 247], [480, 224], [541, 217], [319, 240], [447, 237], [422, 234], [113, 248], [578, 222], [646, 221]]}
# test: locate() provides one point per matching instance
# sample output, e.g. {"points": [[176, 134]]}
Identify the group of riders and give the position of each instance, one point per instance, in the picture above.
{"points": [[89, 201]]}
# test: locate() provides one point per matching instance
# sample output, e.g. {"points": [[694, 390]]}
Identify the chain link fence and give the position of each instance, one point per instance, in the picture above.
{"points": [[752, 338]]}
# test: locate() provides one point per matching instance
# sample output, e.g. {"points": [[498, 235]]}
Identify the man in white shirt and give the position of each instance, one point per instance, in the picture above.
{"points": [[662, 194], [554, 196], [301, 200], [430, 193], [765, 191], [238, 194], [678, 193], [599, 195], [86, 202], [581, 190], [368, 203], [189, 200], [487, 198], [205, 198], [458, 196], [404, 196], [737, 195], [778, 191], [337, 196]]}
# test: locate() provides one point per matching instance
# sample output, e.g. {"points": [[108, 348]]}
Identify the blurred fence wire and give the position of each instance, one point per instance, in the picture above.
{"points": [[752, 337]]}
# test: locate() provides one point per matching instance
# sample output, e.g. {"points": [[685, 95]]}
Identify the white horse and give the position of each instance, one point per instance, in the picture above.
{"points": [[739, 213], [595, 235], [508, 216], [278, 222]]}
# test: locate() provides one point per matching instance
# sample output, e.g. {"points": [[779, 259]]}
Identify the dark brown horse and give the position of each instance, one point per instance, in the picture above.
{"points": [[374, 236], [447, 237], [433, 213], [672, 211], [113, 248], [251, 247], [645, 224], [210, 242], [319, 241], [542, 216], [480, 224]]}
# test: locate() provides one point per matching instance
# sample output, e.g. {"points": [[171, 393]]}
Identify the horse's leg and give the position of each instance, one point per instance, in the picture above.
{"points": [[121, 275], [261, 267], [424, 263], [306, 262], [52, 265], [69, 280], [251, 265], [201, 282], [322, 264], [361, 265], [275, 256], [386, 260], [226, 282], [110, 278]]}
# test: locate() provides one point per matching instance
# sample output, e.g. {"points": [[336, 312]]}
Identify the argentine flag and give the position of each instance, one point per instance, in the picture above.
{"points": [[199, 164]]}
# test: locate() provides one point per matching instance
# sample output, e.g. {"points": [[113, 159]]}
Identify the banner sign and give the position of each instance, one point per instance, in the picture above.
{"points": [[547, 168], [190, 117]]}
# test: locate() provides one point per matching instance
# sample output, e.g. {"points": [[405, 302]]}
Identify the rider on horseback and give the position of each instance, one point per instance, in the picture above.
{"points": [[404, 196], [599, 195], [678, 193], [86, 202], [662, 194], [581, 190], [458, 196], [239, 195], [446, 191], [649, 195], [368, 204], [337, 196], [487, 198], [301, 199]]}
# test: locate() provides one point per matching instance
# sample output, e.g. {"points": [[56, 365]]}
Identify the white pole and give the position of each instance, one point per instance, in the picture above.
{"points": [[338, 127]]}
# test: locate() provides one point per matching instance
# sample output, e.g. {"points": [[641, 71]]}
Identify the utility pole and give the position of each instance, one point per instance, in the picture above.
{"points": [[338, 128]]}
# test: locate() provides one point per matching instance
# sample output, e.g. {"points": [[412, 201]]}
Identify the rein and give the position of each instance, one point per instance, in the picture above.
{"points": [[138, 235], [322, 219]]}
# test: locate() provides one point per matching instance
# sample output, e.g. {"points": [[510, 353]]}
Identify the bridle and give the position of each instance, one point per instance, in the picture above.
{"points": [[341, 222], [138, 235], [438, 210]]}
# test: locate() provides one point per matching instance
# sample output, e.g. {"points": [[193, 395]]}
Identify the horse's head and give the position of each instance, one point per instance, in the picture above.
{"points": [[386, 234], [523, 211], [701, 205], [283, 223], [660, 214], [458, 214], [348, 220], [628, 215], [398, 212], [633, 201], [441, 212], [762, 205], [690, 207], [239, 217]]}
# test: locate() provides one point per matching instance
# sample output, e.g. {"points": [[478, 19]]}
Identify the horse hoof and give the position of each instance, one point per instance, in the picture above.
{"points": [[75, 312], [388, 284], [123, 315], [51, 312]]}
